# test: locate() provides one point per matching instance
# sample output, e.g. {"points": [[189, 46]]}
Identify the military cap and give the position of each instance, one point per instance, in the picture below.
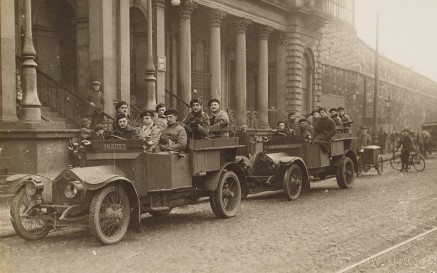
{"points": [[406, 130], [333, 109], [171, 111], [85, 122], [120, 116], [120, 104], [303, 120], [147, 113], [213, 100], [340, 108], [291, 114], [96, 82], [196, 100]]}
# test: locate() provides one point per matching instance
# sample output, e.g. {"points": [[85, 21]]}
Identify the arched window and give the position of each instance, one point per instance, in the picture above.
{"points": [[307, 82]]}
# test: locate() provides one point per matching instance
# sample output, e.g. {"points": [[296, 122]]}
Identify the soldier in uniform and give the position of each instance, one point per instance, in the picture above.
{"points": [[95, 100], [281, 130], [174, 136], [345, 119], [161, 121], [291, 123], [324, 130], [149, 132], [219, 118], [123, 129], [305, 130], [197, 120], [364, 139], [122, 108], [334, 116]]}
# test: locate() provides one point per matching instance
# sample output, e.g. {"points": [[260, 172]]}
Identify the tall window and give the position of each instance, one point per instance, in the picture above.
{"points": [[340, 9]]}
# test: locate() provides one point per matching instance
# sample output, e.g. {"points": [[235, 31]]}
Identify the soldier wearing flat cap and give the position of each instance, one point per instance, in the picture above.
{"points": [[149, 131], [122, 108], [124, 130], [173, 137], [304, 129], [99, 132], [161, 121], [364, 138], [197, 122], [95, 101], [219, 118], [291, 124]]}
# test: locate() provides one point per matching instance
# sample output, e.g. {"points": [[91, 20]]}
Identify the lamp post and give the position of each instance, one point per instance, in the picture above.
{"points": [[150, 70], [375, 96]]}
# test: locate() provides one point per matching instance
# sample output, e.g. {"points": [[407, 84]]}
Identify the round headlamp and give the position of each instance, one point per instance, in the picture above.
{"points": [[34, 187], [72, 189]]}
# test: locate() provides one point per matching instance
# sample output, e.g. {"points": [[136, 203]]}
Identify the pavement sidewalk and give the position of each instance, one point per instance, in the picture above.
{"points": [[6, 229]]}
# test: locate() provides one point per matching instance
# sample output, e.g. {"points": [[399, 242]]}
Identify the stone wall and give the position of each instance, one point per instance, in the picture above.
{"points": [[406, 99]]}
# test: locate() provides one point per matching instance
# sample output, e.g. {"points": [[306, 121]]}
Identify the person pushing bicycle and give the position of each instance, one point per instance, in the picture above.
{"points": [[406, 145]]}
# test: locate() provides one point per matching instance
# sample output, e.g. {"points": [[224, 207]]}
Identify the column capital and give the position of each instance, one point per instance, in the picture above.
{"points": [[185, 9], [242, 24], [264, 32], [158, 4], [215, 17]]}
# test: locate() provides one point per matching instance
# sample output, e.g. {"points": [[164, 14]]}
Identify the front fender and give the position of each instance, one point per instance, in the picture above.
{"points": [[212, 178], [289, 160], [16, 181]]}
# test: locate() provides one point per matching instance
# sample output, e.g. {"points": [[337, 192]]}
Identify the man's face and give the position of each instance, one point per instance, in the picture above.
{"points": [[291, 117], [214, 106], [147, 120], [323, 114], [123, 109], [171, 119], [96, 87], [316, 115], [302, 124], [85, 135], [196, 107], [364, 131], [281, 126], [341, 112], [122, 123], [161, 111], [333, 113]]}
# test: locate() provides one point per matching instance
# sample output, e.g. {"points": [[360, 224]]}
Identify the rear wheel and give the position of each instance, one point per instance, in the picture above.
{"points": [[109, 214], [396, 162], [418, 162], [345, 173], [226, 199], [379, 165], [26, 217], [292, 182]]}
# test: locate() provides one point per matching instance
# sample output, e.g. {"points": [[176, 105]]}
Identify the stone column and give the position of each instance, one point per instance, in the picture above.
{"points": [[82, 57], [7, 62], [240, 71], [184, 65], [30, 105], [295, 51], [124, 51], [281, 55], [159, 48], [262, 100], [150, 78], [215, 21], [103, 49]]}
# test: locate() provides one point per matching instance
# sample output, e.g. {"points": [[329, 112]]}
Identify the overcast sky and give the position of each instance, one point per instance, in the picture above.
{"points": [[407, 31]]}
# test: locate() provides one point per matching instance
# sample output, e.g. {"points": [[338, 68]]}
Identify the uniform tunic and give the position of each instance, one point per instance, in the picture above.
{"points": [[173, 138], [202, 129], [161, 122], [126, 133], [151, 134], [324, 130]]}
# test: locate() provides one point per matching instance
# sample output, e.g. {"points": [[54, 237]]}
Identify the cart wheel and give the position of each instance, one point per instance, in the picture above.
{"points": [[160, 213], [396, 162], [379, 165], [292, 182], [418, 162], [345, 173], [109, 214], [225, 200], [31, 226]]}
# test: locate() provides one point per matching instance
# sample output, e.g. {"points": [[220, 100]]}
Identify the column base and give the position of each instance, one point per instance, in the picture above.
{"points": [[264, 127], [30, 114]]}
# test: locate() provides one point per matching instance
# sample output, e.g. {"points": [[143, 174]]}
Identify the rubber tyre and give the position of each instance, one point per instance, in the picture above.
{"points": [[293, 182], [160, 213], [379, 165], [396, 162], [110, 204], [19, 223], [418, 162], [226, 199], [345, 173]]}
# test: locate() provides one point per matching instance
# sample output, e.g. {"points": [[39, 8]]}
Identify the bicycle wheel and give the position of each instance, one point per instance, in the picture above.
{"points": [[396, 162], [418, 162]]}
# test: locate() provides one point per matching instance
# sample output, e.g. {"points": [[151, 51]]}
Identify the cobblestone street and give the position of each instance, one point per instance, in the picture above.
{"points": [[327, 229]]}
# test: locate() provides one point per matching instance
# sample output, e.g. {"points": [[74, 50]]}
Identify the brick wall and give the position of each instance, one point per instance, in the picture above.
{"points": [[406, 99]]}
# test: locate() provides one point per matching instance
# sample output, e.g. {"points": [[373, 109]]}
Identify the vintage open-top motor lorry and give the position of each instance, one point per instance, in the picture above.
{"points": [[121, 182], [290, 162]]}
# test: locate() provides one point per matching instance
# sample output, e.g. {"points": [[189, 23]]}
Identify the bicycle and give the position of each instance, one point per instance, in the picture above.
{"points": [[414, 159]]}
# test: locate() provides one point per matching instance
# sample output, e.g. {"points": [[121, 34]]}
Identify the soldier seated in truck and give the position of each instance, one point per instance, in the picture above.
{"points": [[324, 130], [173, 137]]}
